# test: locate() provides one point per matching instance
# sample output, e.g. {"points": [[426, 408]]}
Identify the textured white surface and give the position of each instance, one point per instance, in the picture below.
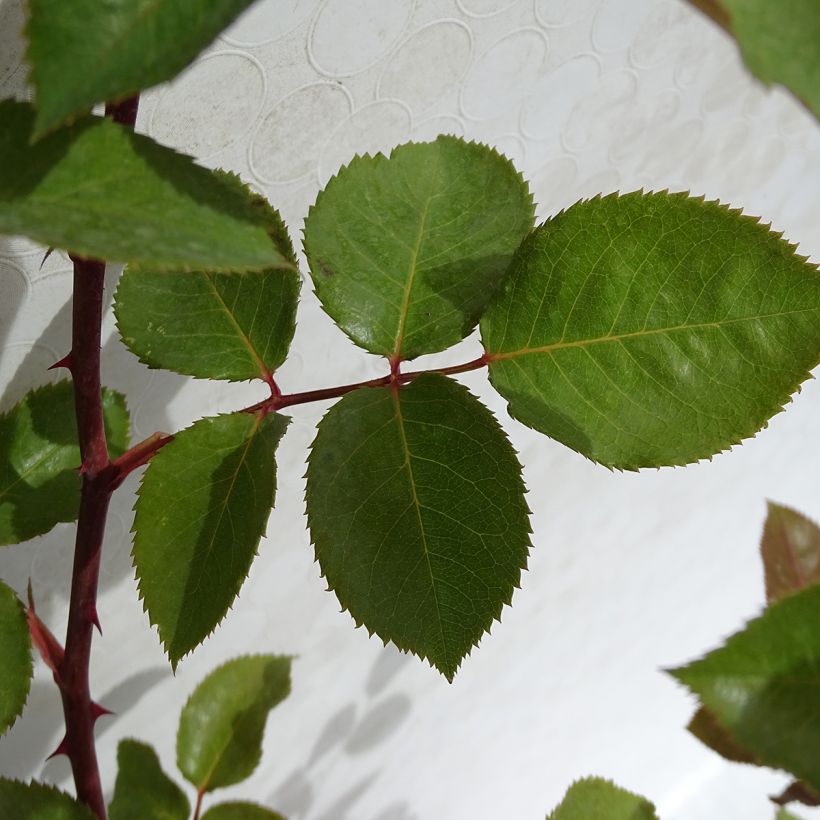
{"points": [[630, 573]]}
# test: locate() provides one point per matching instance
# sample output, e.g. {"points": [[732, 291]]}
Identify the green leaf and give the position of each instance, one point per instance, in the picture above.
{"points": [[201, 510], [780, 42], [596, 799], [707, 729], [791, 552], [240, 811], [37, 801], [143, 790], [407, 251], [15, 651], [88, 52], [416, 508], [219, 742], [40, 459], [652, 329], [762, 685], [782, 814], [99, 190], [213, 325]]}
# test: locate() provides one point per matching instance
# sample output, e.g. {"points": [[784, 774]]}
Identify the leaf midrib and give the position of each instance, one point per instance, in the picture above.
{"points": [[54, 448], [411, 276], [417, 506], [264, 371], [226, 498], [561, 345]]}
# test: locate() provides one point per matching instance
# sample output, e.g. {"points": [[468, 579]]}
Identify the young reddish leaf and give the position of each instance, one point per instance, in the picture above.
{"points": [[240, 811], [416, 509], [797, 792], [50, 649], [791, 552], [594, 798], [407, 250], [99, 190], [143, 790], [37, 801], [219, 741], [652, 329], [706, 728], [15, 652], [40, 459], [762, 685], [120, 48], [212, 325], [201, 511]]}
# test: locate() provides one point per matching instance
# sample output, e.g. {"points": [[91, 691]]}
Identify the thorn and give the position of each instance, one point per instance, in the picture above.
{"points": [[98, 711], [46, 255], [64, 362], [83, 468], [62, 749], [92, 615]]}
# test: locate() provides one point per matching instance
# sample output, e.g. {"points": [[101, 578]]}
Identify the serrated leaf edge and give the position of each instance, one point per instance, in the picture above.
{"points": [[174, 660], [496, 618], [378, 157], [778, 407]]}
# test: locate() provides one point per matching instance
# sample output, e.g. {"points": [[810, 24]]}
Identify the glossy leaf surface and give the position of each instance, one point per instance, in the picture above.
{"points": [[219, 742], [37, 801], [652, 329], [86, 52], [143, 790], [15, 651], [417, 513], [40, 459], [99, 190], [791, 552], [406, 251], [212, 325], [762, 685], [240, 811], [202, 509], [594, 798]]}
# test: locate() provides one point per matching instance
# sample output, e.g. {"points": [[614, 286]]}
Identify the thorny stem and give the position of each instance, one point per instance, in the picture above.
{"points": [[99, 482]]}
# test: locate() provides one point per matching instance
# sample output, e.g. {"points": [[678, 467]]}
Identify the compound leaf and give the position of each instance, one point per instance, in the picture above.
{"points": [[594, 798], [142, 789], [652, 329], [791, 552], [219, 741], [37, 801], [780, 42], [40, 459], [407, 250], [416, 508], [99, 190], [240, 811], [213, 325], [15, 650], [201, 511], [762, 685], [88, 52]]}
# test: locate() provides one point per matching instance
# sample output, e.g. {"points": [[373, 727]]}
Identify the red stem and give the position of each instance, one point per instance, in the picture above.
{"points": [[142, 453], [99, 482]]}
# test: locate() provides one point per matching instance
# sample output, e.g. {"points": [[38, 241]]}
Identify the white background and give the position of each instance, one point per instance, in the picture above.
{"points": [[629, 574]]}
